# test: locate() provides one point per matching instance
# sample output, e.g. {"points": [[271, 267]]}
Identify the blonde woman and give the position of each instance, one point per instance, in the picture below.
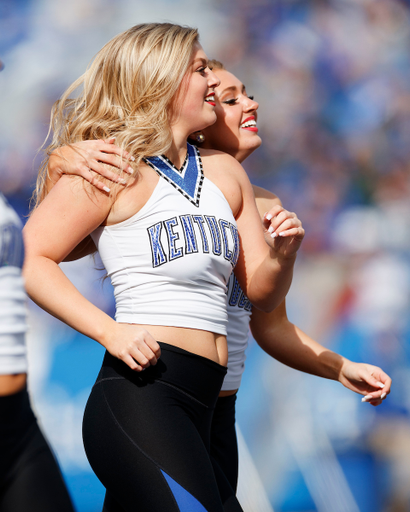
{"points": [[236, 133], [169, 241]]}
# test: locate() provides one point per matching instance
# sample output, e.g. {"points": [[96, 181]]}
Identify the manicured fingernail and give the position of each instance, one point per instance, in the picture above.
{"points": [[123, 182], [383, 396], [367, 398], [269, 216], [282, 233], [380, 385], [132, 158], [106, 189], [129, 170], [270, 230], [274, 235]]}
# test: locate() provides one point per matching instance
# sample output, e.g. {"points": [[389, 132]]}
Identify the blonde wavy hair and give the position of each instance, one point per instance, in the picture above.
{"points": [[127, 92]]}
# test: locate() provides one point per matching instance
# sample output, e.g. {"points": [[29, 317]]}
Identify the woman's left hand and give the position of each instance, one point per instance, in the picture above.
{"points": [[366, 379], [283, 231]]}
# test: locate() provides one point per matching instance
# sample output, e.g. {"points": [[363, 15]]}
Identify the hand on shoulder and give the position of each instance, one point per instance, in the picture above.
{"points": [[87, 159]]}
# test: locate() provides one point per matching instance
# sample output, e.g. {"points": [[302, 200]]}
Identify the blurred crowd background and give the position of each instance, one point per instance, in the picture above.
{"points": [[332, 78]]}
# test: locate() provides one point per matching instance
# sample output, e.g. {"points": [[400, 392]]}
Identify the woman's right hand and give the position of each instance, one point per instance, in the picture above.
{"points": [[134, 346], [81, 158], [283, 231]]}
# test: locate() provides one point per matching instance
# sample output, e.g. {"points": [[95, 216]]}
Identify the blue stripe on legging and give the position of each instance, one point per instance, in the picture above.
{"points": [[186, 502]]}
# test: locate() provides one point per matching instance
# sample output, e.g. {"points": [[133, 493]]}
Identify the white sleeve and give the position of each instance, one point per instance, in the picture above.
{"points": [[13, 309]]}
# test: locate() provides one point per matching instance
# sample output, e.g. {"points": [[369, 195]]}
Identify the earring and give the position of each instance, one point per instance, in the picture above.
{"points": [[200, 138]]}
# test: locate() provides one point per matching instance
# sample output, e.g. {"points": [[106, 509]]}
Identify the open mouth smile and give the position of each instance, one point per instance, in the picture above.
{"points": [[210, 99], [250, 124]]}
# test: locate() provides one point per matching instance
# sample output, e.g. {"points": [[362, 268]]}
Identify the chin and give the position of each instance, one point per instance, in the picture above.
{"points": [[208, 121], [248, 149], [252, 143]]}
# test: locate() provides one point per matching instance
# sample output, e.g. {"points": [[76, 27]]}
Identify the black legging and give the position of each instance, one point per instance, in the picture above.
{"points": [[147, 435], [30, 479], [224, 444]]}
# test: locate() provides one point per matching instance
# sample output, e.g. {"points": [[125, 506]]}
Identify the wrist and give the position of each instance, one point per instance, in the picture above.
{"points": [[56, 161], [343, 369], [53, 169], [105, 332], [284, 260], [332, 365]]}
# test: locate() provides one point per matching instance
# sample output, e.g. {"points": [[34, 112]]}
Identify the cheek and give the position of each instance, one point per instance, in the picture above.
{"points": [[231, 116], [232, 121], [192, 107], [192, 97]]}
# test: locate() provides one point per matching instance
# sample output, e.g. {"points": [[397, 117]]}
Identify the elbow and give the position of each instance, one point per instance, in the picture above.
{"points": [[31, 273], [267, 305], [27, 274], [266, 298]]}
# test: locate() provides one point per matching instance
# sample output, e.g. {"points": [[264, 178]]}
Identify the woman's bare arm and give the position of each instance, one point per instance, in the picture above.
{"points": [[288, 344], [268, 249], [69, 213], [86, 159], [83, 249], [285, 342]]}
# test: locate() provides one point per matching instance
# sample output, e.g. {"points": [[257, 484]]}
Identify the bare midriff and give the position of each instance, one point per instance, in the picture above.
{"points": [[228, 392], [203, 343], [11, 384]]}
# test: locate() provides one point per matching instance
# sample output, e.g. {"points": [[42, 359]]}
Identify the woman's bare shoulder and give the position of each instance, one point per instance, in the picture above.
{"points": [[79, 191], [220, 156], [224, 164]]}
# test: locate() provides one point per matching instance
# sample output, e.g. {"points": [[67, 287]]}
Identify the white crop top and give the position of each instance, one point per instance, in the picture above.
{"points": [[13, 313], [239, 316], [170, 262]]}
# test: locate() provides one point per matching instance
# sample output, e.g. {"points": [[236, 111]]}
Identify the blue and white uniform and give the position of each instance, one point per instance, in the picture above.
{"points": [[170, 263], [239, 316], [147, 434]]}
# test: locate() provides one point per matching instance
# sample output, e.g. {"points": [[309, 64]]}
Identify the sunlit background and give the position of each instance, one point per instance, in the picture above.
{"points": [[333, 82]]}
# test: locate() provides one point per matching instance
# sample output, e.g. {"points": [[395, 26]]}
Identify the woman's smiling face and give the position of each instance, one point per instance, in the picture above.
{"points": [[194, 106], [235, 131]]}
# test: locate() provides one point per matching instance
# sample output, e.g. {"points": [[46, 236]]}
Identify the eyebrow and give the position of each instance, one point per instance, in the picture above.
{"points": [[233, 88], [200, 59]]}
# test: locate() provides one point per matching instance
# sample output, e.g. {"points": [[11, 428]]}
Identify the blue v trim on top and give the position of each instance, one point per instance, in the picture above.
{"points": [[188, 180]]}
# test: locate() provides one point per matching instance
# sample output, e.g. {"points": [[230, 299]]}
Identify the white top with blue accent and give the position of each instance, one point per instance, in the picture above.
{"points": [[170, 262], [13, 312], [239, 316]]}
